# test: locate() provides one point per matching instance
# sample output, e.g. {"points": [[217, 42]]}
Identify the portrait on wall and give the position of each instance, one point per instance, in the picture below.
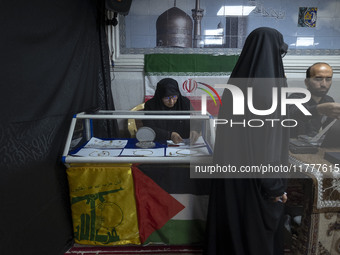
{"points": [[307, 16], [220, 27]]}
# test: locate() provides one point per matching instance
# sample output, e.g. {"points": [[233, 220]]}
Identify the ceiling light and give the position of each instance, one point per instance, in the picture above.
{"points": [[218, 31], [304, 41], [236, 10]]}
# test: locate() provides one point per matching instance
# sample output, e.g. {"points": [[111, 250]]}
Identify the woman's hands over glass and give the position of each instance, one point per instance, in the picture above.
{"points": [[194, 136], [176, 138]]}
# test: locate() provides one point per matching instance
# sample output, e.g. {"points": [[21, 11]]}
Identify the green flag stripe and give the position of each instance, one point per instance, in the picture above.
{"points": [[188, 74], [188, 63], [179, 232]]}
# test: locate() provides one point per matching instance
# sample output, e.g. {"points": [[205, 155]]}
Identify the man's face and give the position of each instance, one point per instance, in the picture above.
{"points": [[320, 81]]}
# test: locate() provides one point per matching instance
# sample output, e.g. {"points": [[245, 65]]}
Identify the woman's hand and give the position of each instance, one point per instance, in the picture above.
{"points": [[194, 136], [282, 198], [176, 138]]}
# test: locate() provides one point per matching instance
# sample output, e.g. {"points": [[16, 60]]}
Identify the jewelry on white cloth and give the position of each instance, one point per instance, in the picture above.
{"points": [[182, 152], [99, 154], [137, 152]]}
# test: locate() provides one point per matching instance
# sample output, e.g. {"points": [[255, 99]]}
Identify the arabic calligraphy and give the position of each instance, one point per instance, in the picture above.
{"points": [[269, 12], [91, 225]]}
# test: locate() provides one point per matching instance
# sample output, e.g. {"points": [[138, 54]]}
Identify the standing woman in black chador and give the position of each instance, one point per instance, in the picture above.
{"points": [[168, 97], [245, 214]]}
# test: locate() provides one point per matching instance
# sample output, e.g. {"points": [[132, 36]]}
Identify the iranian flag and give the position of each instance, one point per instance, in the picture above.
{"points": [[196, 74]]}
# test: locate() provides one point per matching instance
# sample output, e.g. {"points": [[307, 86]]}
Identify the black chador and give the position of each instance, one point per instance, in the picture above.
{"points": [[243, 218]]}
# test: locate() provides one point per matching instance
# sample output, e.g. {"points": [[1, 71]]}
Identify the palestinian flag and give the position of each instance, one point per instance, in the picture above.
{"points": [[172, 207], [196, 74]]}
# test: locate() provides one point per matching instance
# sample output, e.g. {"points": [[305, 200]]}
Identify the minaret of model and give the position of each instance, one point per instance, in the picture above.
{"points": [[197, 15]]}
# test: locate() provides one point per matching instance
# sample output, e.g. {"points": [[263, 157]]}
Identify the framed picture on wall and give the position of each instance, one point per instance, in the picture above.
{"points": [[220, 27]]}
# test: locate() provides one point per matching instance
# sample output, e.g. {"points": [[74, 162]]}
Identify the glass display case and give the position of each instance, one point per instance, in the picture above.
{"points": [[85, 145]]}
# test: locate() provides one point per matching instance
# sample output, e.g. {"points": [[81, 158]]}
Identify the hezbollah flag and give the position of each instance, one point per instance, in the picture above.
{"points": [[196, 74], [103, 204], [172, 207]]}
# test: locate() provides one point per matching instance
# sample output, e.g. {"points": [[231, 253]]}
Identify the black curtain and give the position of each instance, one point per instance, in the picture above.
{"points": [[54, 63]]}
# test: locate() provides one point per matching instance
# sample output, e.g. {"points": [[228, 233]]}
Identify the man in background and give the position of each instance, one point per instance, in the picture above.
{"points": [[322, 107]]}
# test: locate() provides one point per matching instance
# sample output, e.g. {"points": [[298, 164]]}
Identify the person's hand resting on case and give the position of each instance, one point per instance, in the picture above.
{"points": [[176, 138], [329, 109]]}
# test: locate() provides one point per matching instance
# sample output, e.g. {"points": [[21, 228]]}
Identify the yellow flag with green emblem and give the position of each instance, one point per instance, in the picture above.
{"points": [[103, 204]]}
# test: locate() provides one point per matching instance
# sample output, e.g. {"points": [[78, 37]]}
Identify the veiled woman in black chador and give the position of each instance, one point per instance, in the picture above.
{"points": [[244, 213], [168, 97]]}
